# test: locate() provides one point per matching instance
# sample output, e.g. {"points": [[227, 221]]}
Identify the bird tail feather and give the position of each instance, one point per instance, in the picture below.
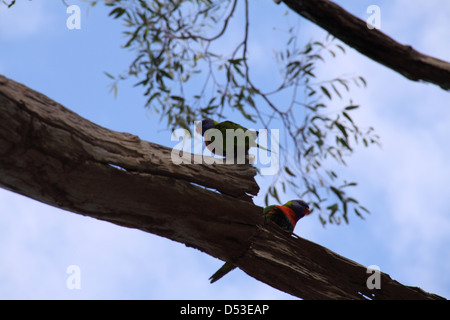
{"points": [[227, 267]]}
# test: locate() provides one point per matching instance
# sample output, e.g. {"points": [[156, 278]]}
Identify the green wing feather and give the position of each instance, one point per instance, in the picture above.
{"points": [[248, 137], [274, 213], [270, 211], [222, 126]]}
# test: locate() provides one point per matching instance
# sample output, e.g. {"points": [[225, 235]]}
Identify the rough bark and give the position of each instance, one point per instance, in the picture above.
{"points": [[373, 43], [51, 154], [316, 272]]}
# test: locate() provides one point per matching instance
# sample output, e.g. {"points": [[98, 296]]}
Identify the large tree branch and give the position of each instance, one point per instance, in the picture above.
{"points": [[51, 154], [373, 43]]}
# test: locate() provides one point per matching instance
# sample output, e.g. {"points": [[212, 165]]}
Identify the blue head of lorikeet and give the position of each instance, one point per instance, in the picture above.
{"points": [[205, 125], [300, 207]]}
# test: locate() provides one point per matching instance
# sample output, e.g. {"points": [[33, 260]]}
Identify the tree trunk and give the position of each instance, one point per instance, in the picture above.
{"points": [[51, 154], [373, 43]]}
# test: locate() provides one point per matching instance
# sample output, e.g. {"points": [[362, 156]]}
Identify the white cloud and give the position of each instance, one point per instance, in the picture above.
{"points": [[423, 23], [24, 19], [39, 242]]}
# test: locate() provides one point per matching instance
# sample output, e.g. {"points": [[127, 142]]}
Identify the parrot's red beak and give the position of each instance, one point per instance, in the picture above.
{"points": [[307, 211]]}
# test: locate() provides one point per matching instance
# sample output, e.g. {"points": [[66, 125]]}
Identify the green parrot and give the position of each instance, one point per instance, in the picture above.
{"points": [[245, 139], [286, 216]]}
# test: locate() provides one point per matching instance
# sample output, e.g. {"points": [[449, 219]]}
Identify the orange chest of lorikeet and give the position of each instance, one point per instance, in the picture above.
{"points": [[287, 215]]}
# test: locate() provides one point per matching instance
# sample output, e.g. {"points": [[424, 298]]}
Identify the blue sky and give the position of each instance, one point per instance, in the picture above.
{"points": [[405, 183]]}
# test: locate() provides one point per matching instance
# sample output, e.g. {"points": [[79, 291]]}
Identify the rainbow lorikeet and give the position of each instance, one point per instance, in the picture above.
{"points": [[286, 216], [245, 138]]}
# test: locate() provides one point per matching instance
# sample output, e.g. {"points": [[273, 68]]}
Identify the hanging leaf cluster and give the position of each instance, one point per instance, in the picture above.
{"points": [[187, 74]]}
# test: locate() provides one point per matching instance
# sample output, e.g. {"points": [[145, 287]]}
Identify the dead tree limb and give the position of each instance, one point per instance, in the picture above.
{"points": [[373, 43], [308, 270], [51, 154]]}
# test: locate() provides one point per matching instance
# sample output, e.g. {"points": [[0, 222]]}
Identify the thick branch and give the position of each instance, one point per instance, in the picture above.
{"points": [[306, 269], [51, 154], [373, 43]]}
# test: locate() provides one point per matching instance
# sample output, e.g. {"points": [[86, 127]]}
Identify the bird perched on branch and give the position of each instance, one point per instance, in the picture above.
{"points": [[243, 138], [286, 216]]}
